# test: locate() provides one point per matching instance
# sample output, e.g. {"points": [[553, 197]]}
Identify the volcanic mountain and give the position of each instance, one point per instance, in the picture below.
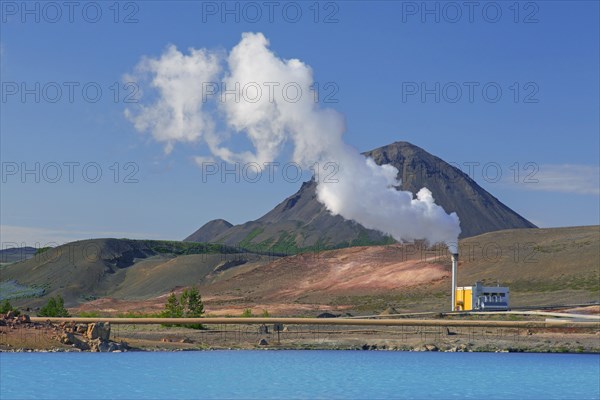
{"points": [[301, 222]]}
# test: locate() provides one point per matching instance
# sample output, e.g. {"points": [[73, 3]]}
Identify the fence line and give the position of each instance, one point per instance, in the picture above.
{"points": [[327, 321]]}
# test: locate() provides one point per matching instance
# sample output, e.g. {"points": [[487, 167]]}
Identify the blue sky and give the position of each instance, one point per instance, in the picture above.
{"points": [[376, 58]]}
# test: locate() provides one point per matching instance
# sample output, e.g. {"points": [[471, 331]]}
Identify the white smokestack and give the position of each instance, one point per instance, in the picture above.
{"points": [[454, 280], [359, 190]]}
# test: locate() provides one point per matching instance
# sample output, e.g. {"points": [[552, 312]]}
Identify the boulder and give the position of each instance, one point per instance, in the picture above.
{"points": [[431, 347], [462, 348], [67, 338], [81, 328], [263, 330], [117, 347], [103, 346], [71, 339], [98, 330], [389, 311], [99, 346], [327, 315]]}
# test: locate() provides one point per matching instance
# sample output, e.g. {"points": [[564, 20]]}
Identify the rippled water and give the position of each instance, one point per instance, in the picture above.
{"points": [[298, 374]]}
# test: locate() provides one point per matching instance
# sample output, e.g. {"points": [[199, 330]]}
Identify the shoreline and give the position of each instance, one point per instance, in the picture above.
{"points": [[407, 350], [25, 334]]}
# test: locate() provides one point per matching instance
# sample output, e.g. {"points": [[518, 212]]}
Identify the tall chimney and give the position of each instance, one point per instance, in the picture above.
{"points": [[454, 269]]}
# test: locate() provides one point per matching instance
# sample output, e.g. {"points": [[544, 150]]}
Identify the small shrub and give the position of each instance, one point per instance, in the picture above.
{"points": [[247, 313], [89, 314]]}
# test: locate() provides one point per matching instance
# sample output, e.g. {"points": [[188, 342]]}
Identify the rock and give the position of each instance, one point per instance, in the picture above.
{"points": [[263, 342], [2, 322], [186, 340], [24, 319], [67, 338], [70, 327], [117, 347], [9, 315], [81, 328], [104, 346], [165, 340], [70, 339], [369, 347], [389, 311], [327, 315], [97, 345], [263, 330], [462, 348], [431, 347], [99, 330]]}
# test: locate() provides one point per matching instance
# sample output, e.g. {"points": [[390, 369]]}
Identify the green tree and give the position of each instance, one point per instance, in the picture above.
{"points": [[54, 308], [189, 305], [192, 303], [6, 307], [173, 308]]}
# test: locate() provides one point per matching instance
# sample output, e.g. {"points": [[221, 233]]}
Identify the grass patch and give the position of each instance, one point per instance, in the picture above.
{"points": [[589, 282], [136, 314], [42, 250], [89, 314], [187, 248], [13, 290]]}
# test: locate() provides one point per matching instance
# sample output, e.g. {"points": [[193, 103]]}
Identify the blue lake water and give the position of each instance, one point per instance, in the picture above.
{"points": [[298, 374]]}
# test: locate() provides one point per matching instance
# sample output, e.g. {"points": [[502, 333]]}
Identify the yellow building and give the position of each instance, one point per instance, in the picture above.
{"points": [[464, 298], [482, 298]]}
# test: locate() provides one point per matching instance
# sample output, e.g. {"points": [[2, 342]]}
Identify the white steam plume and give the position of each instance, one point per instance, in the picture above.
{"points": [[278, 107], [177, 115]]}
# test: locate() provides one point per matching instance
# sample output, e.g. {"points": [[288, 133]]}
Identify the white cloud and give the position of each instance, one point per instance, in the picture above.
{"points": [[566, 178], [177, 115]]}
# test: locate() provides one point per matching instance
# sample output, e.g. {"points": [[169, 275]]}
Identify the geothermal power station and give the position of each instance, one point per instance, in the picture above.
{"points": [[477, 297]]}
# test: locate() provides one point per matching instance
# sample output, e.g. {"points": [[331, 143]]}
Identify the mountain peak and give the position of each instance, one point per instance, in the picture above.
{"points": [[301, 222], [209, 231]]}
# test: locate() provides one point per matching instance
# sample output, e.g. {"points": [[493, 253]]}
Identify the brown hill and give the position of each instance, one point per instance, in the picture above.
{"points": [[541, 267], [129, 269]]}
